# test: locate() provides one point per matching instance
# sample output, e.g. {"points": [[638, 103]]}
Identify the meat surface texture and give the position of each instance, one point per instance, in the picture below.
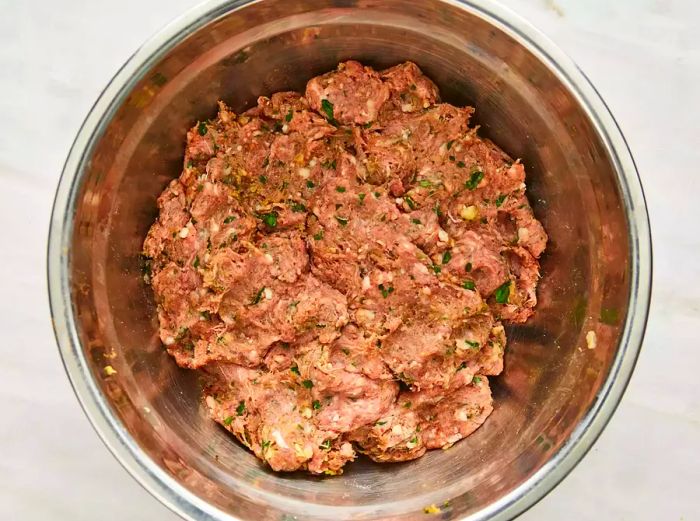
{"points": [[338, 266]]}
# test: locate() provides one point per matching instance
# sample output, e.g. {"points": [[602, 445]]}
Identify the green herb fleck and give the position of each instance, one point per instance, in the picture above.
{"points": [[263, 179], [295, 370], [474, 179], [265, 444], [502, 293], [500, 199], [415, 221], [446, 256], [463, 365], [340, 189], [316, 405], [475, 345], [469, 284], [229, 219], [386, 291], [289, 116], [202, 128], [326, 445], [476, 380], [310, 184], [298, 208], [327, 108], [410, 202], [381, 423], [450, 143], [425, 183], [318, 236], [241, 408], [468, 267], [376, 195], [256, 298], [407, 405], [269, 219], [361, 196], [461, 164], [342, 220], [206, 315], [196, 262], [228, 420], [307, 383]]}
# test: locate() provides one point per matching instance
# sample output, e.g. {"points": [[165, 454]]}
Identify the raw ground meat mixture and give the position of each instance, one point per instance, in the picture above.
{"points": [[338, 266]]}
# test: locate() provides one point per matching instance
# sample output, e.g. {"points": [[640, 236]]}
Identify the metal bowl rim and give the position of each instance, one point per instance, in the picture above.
{"points": [[119, 441]]}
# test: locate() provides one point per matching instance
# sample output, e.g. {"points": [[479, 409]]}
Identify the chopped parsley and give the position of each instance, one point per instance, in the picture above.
{"points": [[463, 365], [316, 405], [289, 116], [476, 380], [202, 128], [425, 183], [340, 189], [376, 195], [500, 199], [461, 164], [196, 262], [310, 184], [229, 219], [414, 440], [437, 269], [307, 383], [329, 165], [241, 408], [326, 445], [342, 220], [265, 444], [258, 296], [270, 219], [298, 208], [263, 179], [386, 291], [228, 420], [318, 236], [327, 108], [415, 221], [475, 345], [407, 405], [474, 179], [380, 423], [450, 143], [206, 315], [410, 202], [468, 267], [502, 293], [446, 257], [361, 196], [469, 284], [295, 370]]}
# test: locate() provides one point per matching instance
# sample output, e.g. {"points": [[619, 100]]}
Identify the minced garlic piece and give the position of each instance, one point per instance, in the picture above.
{"points": [[432, 509], [109, 370], [591, 340]]}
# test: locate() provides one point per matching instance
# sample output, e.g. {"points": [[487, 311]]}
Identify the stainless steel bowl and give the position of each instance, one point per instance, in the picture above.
{"points": [[555, 396]]}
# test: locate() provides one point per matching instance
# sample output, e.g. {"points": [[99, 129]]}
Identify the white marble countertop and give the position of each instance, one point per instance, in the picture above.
{"points": [[642, 55]]}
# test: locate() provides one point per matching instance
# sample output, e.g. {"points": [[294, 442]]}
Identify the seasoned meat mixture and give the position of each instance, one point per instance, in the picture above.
{"points": [[339, 264]]}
